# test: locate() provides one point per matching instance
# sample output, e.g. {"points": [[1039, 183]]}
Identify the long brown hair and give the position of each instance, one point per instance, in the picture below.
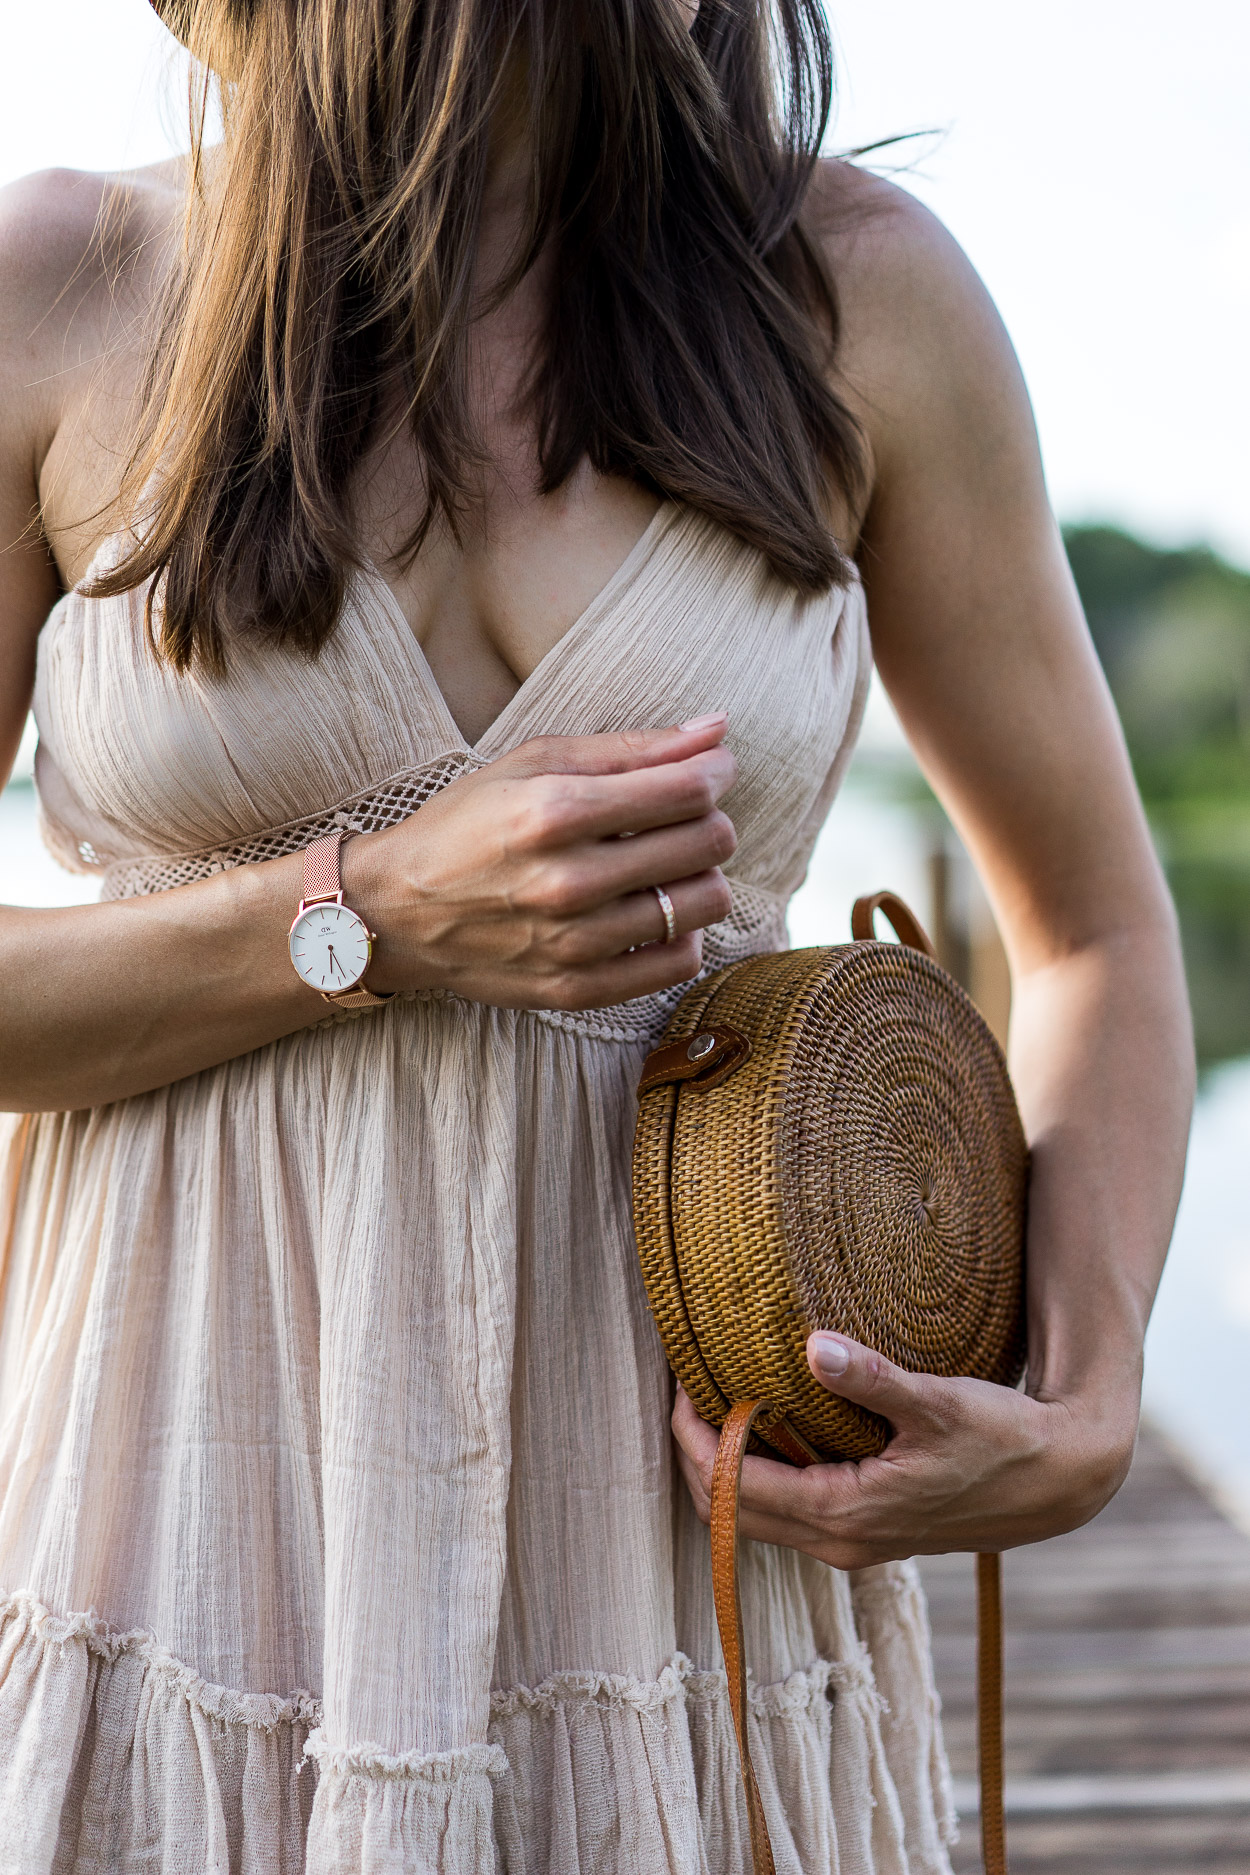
{"points": [[327, 278]]}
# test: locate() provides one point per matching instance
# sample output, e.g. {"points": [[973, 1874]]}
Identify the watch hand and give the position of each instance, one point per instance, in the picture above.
{"points": [[334, 962]]}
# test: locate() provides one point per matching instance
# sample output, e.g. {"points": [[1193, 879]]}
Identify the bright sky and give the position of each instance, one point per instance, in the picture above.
{"points": [[1094, 160], [1096, 166]]}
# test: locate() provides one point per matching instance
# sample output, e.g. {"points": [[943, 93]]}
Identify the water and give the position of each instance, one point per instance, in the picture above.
{"points": [[1198, 1351], [866, 844], [1198, 1347], [28, 873], [1212, 894]]}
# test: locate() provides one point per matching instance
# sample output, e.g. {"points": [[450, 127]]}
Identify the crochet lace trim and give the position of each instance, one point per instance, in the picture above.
{"points": [[756, 923], [384, 804]]}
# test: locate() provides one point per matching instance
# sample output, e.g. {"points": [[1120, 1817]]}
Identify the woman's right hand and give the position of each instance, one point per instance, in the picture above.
{"points": [[514, 885]]}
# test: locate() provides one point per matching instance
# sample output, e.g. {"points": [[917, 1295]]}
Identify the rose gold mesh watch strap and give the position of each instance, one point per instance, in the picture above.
{"points": [[359, 998], [323, 879]]}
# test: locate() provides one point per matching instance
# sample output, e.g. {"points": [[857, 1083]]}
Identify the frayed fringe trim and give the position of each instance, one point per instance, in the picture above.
{"points": [[679, 1678], [621, 1690], [262, 1711], [436, 1767], [806, 1688]]}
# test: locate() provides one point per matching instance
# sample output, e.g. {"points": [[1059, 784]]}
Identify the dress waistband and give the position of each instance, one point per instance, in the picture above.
{"points": [[757, 921], [384, 804]]}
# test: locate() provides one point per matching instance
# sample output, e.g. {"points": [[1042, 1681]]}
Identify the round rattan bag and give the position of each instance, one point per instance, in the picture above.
{"points": [[829, 1139]]}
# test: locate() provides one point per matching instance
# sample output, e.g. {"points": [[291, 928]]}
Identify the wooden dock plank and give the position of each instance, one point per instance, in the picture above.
{"points": [[1128, 1686]]}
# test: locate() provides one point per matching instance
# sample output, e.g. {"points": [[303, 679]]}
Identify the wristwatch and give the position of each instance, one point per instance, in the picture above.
{"points": [[330, 943]]}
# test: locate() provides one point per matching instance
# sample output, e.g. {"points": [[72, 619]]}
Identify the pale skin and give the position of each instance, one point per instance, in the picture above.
{"points": [[511, 887]]}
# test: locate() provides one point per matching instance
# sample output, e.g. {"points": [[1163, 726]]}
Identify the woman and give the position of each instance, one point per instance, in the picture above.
{"points": [[510, 386]]}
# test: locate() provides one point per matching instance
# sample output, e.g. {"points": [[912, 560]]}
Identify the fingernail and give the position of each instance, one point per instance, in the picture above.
{"points": [[831, 1356], [705, 722]]}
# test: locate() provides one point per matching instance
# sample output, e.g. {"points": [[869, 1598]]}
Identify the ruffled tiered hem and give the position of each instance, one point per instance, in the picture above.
{"points": [[116, 1758], [119, 1759]]}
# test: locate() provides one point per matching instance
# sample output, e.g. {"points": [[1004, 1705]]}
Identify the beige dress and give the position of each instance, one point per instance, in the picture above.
{"points": [[339, 1524]]}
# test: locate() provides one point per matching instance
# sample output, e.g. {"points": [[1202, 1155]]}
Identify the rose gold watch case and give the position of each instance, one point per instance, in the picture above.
{"points": [[307, 910], [323, 887]]}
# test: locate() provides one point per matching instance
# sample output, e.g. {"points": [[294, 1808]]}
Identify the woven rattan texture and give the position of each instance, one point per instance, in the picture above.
{"points": [[653, 1222], [863, 1171], [904, 1182]]}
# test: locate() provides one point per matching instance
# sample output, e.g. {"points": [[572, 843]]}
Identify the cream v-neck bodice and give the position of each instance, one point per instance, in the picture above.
{"points": [[331, 1415], [136, 760]]}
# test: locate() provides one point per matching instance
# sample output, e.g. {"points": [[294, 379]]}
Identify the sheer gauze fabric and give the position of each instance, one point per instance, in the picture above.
{"points": [[339, 1523]]}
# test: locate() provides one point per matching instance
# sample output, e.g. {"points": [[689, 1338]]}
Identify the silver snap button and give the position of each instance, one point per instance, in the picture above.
{"points": [[700, 1046]]}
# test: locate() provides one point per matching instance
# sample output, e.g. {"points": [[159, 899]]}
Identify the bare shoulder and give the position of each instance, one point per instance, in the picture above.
{"points": [[900, 273], [60, 216], [79, 259], [868, 225], [76, 255], [922, 341]]}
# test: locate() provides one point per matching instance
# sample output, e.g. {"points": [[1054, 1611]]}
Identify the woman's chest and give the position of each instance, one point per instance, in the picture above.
{"points": [[153, 761], [488, 602]]}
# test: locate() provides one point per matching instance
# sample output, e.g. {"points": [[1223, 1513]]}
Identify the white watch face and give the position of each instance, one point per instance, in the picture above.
{"points": [[330, 947]]}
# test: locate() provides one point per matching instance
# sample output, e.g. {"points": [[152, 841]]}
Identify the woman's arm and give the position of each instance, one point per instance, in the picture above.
{"points": [[979, 638], [510, 887]]}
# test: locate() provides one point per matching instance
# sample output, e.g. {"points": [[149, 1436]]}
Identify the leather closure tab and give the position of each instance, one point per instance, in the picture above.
{"points": [[703, 1059]]}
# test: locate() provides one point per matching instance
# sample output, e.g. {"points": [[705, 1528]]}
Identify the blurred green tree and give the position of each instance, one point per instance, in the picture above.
{"points": [[1173, 632], [1172, 628]]}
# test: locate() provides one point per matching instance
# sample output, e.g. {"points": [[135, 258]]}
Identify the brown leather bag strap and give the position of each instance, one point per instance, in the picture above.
{"points": [[907, 927], [726, 1490], [990, 1712], [726, 1484]]}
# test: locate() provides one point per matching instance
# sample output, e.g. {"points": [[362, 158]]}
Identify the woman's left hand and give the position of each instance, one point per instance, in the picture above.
{"points": [[970, 1466]]}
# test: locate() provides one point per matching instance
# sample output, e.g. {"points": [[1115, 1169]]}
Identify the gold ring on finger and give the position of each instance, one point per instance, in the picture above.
{"points": [[670, 916]]}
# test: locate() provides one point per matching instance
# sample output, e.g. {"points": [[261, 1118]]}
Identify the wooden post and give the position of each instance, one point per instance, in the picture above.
{"points": [[964, 933]]}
